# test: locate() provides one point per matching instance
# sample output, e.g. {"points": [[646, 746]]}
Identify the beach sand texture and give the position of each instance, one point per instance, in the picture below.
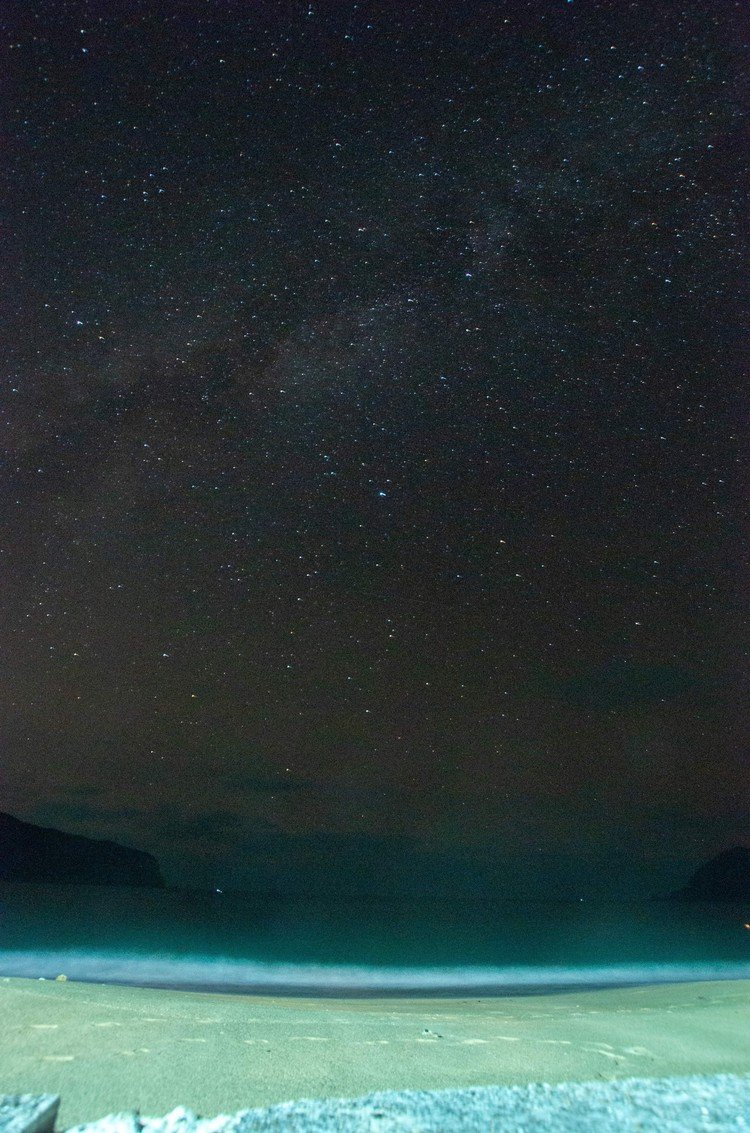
{"points": [[108, 1048]]}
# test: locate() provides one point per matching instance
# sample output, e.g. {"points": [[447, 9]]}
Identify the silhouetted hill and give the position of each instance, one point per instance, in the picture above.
{"points": [[725, 878], [40, 854]]}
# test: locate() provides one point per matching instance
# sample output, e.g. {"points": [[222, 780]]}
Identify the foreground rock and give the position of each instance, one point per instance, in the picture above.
{"points": [[28, 1113], [725, 878], [720, 1103], [32, 853]]}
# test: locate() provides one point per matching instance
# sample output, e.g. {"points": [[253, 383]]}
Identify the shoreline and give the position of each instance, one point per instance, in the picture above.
{"points": [[318, 991], [258, 968], [232, 976]]}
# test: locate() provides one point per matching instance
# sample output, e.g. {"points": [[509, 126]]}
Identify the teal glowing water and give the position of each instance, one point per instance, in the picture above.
{"points": [[173, 938]]}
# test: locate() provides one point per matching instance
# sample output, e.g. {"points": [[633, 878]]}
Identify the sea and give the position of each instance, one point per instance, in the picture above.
{"points": [[247, 944]]}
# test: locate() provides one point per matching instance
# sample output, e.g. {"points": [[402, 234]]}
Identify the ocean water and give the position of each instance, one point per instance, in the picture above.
{"points": [[215, 941]]}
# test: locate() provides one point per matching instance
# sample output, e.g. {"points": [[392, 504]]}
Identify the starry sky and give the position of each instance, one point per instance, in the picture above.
{"points": [[373, 409]]}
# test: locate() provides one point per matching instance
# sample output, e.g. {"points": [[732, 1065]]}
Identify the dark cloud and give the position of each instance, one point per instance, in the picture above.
{"points": [[98, 820], [86, 791], [270, 784], [682, 826], [627, 684], [212, 826]]}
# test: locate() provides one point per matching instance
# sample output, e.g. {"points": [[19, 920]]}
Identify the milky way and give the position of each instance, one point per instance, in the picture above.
{"points": [[372, 412]]}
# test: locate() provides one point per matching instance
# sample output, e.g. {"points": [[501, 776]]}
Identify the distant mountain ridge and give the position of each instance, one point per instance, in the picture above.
{"points": [[30, 853], [724, 878]]}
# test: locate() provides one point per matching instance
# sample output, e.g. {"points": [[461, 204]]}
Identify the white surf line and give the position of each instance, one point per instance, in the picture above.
{"points": [[196, 972]]}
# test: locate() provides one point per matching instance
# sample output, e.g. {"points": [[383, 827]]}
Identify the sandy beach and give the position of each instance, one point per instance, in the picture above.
{"points": [[110, 1048]]}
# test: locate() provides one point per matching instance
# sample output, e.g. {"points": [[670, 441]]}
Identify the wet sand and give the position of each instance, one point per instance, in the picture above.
{"points": [[107, 1048]]}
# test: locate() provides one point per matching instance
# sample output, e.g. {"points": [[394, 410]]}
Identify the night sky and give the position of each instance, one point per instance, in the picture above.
{"points": [[374, 417]]}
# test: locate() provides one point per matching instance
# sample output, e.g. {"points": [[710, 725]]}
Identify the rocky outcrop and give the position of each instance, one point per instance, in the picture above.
{"points": [[28, 1113], [725, 878], [32, 853], [674, 1105]]}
